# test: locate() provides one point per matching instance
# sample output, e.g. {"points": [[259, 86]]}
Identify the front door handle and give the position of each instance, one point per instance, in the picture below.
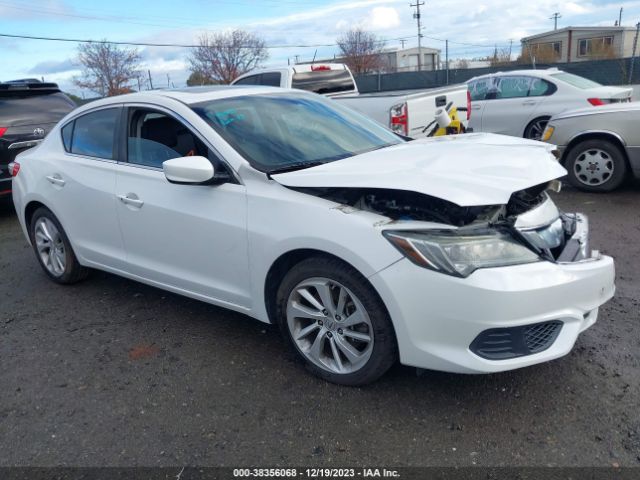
{"points": [[56, 179], [131, 199], [529, 103]]}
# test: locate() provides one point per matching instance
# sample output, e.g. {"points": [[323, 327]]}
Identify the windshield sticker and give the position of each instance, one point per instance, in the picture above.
{"points": [[229, 116]]}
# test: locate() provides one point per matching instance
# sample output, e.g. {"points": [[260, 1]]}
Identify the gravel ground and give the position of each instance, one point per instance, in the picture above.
{"points": [[112, 372]]}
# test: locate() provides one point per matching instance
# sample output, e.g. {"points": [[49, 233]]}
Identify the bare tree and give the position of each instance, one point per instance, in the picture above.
{"points": [[362, 51], [107, 69], [462, 64], [223, 57], [500, 57], [197, 79], [539, 53]]}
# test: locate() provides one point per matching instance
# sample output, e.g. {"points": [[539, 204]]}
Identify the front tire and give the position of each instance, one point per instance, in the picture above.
{"points": [[596, 166], [336, 322], [53, 249]]}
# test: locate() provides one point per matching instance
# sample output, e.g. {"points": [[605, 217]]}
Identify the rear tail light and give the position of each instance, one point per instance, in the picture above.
{"points": [[399, 119], [468, 105], [2, 130], [14, 168], [596, 102]]}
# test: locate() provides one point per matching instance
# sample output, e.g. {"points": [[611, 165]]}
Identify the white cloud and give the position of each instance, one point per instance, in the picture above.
{"points": [[383, 18]]}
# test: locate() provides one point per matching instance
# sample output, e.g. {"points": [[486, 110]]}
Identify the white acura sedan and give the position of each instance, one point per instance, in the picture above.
{"points": [[364, 248]]}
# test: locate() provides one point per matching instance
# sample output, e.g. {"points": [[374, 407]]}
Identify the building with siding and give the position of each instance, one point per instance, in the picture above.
{"points": [[578, 44]]}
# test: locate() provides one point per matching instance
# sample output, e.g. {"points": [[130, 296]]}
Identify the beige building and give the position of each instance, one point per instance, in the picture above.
{"points": [[407, 60], [396, 60], [578, 44]]}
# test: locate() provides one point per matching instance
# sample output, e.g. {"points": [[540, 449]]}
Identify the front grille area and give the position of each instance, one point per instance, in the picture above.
{"points": [[504, 343]]}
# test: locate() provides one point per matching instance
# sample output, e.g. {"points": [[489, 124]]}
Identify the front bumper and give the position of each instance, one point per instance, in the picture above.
{"points": [[437, 317]]}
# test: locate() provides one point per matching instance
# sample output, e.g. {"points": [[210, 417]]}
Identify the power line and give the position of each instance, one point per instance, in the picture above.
{"points": [[175, 45]]}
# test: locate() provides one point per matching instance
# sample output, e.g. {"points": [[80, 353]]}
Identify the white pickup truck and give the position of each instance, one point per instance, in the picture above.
{"points": [[409, 112]]}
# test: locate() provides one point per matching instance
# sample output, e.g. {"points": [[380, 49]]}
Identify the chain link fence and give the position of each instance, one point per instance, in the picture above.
{"points": [[606, 72]]}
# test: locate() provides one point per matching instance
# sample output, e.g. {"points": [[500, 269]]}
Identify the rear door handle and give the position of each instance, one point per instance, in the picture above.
{"points": [[56, 179], [529, 103], [475, 107], [131, 199]]}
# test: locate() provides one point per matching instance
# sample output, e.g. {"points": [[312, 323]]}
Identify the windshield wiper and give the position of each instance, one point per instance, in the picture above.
{"points": [[292, 167]]}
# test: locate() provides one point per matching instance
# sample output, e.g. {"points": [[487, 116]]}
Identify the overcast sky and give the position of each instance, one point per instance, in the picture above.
{"points": [[472, 26]]}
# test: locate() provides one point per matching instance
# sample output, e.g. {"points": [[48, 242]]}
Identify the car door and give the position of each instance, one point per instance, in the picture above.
{"points": [[509, 109], [192, 238], [80, 186], [478, 90]]}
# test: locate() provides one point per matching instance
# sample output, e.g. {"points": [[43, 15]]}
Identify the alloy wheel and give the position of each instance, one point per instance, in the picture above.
{"points": [[593, 167], [50, 246], [329, 325], [537, 129]]}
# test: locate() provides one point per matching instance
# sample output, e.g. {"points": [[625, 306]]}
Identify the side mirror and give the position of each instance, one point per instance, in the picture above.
{"points": [[188, 170]]}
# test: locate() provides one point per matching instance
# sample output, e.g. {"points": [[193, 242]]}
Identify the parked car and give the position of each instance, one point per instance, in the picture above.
{"points": [[599, 148], [28, 111], [285, 206], [520, 103], [406, 112]]}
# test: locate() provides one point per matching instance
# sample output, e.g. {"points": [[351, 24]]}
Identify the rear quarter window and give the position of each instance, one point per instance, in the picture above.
{"points": [[67, 133]]}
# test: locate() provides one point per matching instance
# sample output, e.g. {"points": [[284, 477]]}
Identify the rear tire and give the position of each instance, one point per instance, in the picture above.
{"points": [[336, 322], [53, 249], [596, 165], [536, 127]]}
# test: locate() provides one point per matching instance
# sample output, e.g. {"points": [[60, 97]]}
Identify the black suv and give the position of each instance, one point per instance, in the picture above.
{"points": [[29, 109]]}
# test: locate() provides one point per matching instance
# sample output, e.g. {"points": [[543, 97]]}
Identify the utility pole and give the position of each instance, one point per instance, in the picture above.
{"points": [[446, 56], [402, 42], [150, 81], [555, 18], [416, 15], [620, 17], [510, 48], [633, 55]]}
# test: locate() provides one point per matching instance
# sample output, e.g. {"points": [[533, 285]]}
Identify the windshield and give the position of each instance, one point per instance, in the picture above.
{"points": [[575, 80], [287, 130]]}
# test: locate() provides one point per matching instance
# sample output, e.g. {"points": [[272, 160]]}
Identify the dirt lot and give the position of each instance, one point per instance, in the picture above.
{"points": [[112, 372]]}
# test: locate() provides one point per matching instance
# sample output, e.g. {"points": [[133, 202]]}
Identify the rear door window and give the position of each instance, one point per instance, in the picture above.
{"points": [[513, 87], [541, 88], [94, 134], [479, 88]]}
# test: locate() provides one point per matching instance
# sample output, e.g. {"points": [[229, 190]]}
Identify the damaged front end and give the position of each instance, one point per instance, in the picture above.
{"points": [[529, 228]]}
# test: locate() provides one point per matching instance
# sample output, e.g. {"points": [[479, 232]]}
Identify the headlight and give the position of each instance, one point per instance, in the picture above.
{"points": [[460, 253], [548, 133]]}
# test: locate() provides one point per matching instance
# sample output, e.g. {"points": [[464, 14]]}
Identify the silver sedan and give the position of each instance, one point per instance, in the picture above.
{"points": [[600, 147]]}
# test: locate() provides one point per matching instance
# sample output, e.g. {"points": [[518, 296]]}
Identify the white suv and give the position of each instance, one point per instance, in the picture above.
{"points": [[520, 103]]}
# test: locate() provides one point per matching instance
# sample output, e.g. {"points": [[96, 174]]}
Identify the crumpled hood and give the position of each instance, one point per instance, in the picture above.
{"points": [[468, 170]]}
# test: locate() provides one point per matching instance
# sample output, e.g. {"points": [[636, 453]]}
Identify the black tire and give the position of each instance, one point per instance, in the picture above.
{"points": [[616, 159], [536, 127], [73, 271], [384, 352]]}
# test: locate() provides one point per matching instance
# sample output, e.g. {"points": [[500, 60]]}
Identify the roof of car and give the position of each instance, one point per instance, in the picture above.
{"points": [[188, 95], [529, 72]]}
